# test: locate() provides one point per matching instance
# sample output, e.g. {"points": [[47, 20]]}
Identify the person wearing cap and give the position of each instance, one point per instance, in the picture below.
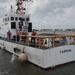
{"points": [[20, 26], [33, 39], [9, 35], [24, 37]]}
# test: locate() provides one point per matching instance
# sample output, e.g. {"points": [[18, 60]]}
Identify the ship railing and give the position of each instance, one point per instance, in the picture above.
{"points": [[40, 39]]}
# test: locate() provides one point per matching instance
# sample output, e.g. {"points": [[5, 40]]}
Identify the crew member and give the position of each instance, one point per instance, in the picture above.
{"points": [[18, 33], [9, 35], [20, 26], [24, 37], [33, 39]]}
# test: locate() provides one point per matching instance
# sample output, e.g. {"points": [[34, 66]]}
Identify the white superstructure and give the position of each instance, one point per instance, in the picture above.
{"points": [[12, 19]]}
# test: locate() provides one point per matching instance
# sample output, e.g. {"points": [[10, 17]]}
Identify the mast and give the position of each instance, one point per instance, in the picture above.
{"points": [[20, 8]]}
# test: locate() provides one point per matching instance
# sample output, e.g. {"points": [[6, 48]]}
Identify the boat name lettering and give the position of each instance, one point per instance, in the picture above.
{"points": [[64, 51]]}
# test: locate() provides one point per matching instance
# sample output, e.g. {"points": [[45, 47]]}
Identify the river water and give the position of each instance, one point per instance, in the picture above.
{"points": [[8, 67]]}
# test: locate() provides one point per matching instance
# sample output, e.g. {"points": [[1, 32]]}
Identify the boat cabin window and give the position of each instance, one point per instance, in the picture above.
{"points": [[27, 19], [12, 18], [8, 18], [21, 19], [13, 25], [20, 22], [16, 18], [5, 19]]}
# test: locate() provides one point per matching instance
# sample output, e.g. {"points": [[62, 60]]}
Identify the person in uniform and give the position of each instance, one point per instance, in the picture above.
{"points": [[33, 39], [20, 26], [24, 37], [18, 33], [9, 35]]}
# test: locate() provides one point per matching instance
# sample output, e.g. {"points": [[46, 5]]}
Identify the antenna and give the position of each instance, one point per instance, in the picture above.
{"points": [[11, 9]]}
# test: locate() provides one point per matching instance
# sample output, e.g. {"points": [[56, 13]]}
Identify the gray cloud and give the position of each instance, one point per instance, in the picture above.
{"points": [[54, 14], [5, 6], [47, 13]]}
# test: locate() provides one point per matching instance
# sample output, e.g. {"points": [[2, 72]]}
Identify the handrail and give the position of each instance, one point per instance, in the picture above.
{"points": [[53, 37]]}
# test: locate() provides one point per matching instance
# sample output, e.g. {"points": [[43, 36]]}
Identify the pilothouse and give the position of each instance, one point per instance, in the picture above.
{"points": [[18, 20]]}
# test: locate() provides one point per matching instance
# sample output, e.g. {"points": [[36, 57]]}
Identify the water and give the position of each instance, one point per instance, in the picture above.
{"points": [[26, 68]]}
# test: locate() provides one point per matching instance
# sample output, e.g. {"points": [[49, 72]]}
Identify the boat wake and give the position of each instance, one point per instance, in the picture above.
{"points": [[13, 58]]}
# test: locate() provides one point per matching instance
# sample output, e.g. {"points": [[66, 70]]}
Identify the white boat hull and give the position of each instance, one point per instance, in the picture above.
{"points": [[44, 58]]}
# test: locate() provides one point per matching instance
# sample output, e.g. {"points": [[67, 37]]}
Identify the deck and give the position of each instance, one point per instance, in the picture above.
{"points": [[45, 41]]}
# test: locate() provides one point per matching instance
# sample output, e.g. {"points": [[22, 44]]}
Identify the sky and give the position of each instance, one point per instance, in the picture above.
{"points": [[46, 14]]}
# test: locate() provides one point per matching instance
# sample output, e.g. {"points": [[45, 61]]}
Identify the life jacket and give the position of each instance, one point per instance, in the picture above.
{"points": [[37, 39], [24, 33], [9, 33], [34, 33], [20, 24]]}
